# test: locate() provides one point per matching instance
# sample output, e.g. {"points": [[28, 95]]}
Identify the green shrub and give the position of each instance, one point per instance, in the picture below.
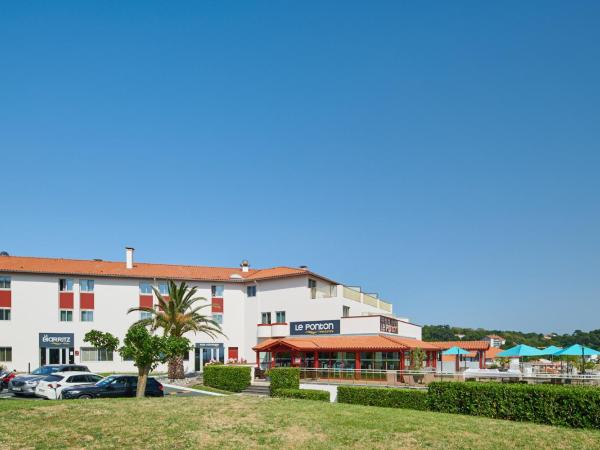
{"points": [[284, 378], [554, 405], [388, 397], [228, 378], [306, 394]]}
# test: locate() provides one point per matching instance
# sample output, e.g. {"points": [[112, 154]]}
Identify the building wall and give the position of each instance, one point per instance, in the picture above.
{"points": [[35, 310]]}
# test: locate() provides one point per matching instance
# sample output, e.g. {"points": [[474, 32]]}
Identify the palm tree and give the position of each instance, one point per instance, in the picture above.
{"points": [[178, 315]]}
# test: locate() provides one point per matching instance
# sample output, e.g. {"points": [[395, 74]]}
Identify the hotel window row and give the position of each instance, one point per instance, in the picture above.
{"points": [[66, 302], [5, 298], [265, 318]]}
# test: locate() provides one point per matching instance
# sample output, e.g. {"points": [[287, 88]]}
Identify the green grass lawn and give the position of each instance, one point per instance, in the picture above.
{"points": [[251, 422]]}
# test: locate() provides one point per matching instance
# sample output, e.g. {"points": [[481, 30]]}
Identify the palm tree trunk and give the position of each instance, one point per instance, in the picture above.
{"points": [[142, 381], [176, 371]]}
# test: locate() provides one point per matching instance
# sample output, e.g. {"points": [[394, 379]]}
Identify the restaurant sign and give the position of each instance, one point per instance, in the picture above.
{"points": [[315, 327], [388, 325]]}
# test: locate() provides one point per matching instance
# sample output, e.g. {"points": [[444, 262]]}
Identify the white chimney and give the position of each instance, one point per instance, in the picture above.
{"points": [[245, 265], [129, 257]]}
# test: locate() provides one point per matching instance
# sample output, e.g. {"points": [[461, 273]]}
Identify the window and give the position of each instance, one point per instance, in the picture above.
{"points": [[280, 316], [218, 318], [4, 282], [265, 318], [145, 288], [95, 354], [87, 316], [145, 315], [163, 288], [86, 285], [5, 354], [312, 285], [65, 285], [217, 290], [4, 314], [66, 315], [346, 311], [251, 291]]}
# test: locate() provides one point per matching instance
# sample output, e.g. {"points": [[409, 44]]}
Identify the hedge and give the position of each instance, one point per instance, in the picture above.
{"points": [[306, 394], [388, 397], [570, 406], [284, 378], [228, 378]]}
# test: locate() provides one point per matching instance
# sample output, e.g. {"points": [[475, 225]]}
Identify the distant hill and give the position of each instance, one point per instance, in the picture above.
{"points": [[448, 333]]}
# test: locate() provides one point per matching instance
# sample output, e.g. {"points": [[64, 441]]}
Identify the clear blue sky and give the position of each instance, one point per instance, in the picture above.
{"points": [[443, 154]]}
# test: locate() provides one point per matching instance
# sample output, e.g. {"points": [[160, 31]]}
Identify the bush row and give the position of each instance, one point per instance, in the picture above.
{"points": [[228, 378], [388, 397], [570, 406], [284, 378], [306, 394]]}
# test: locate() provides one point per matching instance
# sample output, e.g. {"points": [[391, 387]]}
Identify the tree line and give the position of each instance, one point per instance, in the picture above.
{"points": [[449, 333]]}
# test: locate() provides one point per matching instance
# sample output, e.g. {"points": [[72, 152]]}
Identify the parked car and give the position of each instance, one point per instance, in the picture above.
{"points": [[26, 384], [52, 386], [5, 377], [113, 386]]}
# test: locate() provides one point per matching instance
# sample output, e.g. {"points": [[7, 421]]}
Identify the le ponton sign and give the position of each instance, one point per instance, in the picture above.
{"points": [[315, 327]]}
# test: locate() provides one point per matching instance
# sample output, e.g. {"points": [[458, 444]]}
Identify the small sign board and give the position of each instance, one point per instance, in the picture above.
{"points": [[388, 325]]}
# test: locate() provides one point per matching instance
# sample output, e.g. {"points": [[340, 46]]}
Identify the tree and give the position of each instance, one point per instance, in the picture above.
{"points": [[147, 350], [177, 315], [416, 358]]}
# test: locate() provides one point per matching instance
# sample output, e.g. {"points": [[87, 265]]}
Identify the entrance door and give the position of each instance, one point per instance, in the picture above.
{"points": [[55, 355], [204, 355], [50, 355]]}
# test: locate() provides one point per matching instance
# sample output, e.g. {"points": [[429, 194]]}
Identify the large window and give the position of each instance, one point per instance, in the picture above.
{"points": [[265, 318], [65, 285], [380, 360], [86, 285], [4, 282], [145, 287], [337, 360], [217, 290], [4, 314], [66, 315], [163, 288], [95, 354], [280, 316], [5, 354], [251, 291], [87, 316]]}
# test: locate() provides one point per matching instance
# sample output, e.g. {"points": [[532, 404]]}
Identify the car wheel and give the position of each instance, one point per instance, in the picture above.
{"points": [[85, 397]]}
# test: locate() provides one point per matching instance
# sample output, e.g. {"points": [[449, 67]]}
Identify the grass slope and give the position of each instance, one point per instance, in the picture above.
{"points": [[250, 422]]}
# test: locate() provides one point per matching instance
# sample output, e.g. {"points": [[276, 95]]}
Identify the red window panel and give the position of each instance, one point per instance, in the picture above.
{"points": [[86, 300], [65, 300], [217, 305], [5, 299], [233, 353], [146, 301]]}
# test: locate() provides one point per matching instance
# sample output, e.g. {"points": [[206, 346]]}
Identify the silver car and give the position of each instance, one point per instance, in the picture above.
{"points": [[26, 384]]}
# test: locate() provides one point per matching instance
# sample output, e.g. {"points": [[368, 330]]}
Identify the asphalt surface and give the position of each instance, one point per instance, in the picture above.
{"points": [[5, 395]]}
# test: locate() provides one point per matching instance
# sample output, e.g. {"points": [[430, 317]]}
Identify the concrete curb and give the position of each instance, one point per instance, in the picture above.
{"points": [[174, 386]]}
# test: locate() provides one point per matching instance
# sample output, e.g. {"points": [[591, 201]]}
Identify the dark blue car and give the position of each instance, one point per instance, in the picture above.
{"points": [[113, 386]]}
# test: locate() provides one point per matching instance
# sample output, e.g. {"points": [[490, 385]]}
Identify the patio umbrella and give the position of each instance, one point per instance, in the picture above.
{"points": [[551, 351], [453, 351], [521, 350], [576, 350]]}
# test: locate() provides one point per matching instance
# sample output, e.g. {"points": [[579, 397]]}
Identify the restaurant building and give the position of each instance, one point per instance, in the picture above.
{"points": [[284, 315]]}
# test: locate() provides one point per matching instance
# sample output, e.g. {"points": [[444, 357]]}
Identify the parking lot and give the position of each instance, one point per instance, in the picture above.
{"points": [[170, 391]]}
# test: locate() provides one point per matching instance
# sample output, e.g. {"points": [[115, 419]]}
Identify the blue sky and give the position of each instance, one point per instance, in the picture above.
{"points": [[443, 154]]}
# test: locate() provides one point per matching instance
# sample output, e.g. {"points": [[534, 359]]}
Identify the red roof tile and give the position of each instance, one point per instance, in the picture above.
{"points": [[346, 343], [465, 345], [60, 266]]}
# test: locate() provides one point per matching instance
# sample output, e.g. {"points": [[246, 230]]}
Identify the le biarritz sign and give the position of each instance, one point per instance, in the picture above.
{"points": [[315, 327], [388, 325], [56, 340]]}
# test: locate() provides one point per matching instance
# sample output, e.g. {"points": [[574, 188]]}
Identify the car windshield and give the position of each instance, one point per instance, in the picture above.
{"points": [[46, 370], [53, 378]]}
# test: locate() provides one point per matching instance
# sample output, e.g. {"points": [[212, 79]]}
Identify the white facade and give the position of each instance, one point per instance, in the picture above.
{"points": [[34, 310]]}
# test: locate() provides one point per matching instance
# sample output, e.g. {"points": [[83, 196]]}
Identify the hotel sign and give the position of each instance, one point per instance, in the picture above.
{"points": [[56, 340], [315, 327], [388, 325]]}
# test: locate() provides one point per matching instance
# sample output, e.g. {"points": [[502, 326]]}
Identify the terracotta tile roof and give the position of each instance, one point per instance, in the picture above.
{"points": [[492, 353], [60, 266], [346, 343], [465, 345]]}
